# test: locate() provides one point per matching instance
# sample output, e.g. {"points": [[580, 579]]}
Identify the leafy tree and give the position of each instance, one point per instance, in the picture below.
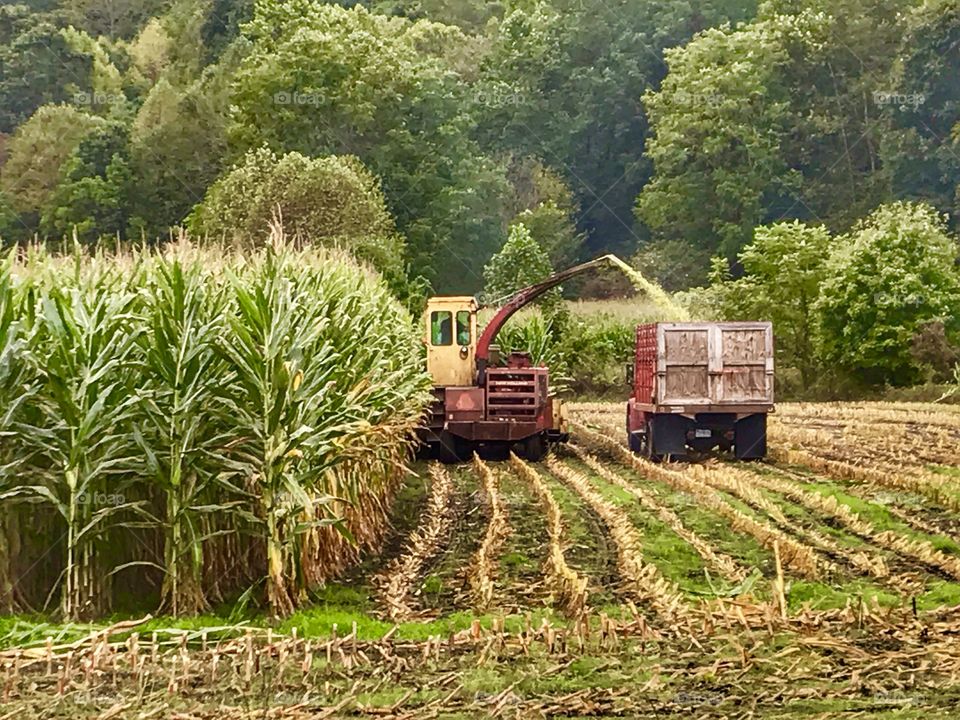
{"points": [[770, 121], [113, 18], [150, 51], [332, 201], [674, 264], [179, 145], [520, 262], [922, 105], [105, 82], [222, 25], [783, 269], [321, 79], [38, 152], [552, 228], [561, 82], [467, 14], [892, 275], [10, 222], [38, 67], [94, 197], [719, 119], [547, 208]]}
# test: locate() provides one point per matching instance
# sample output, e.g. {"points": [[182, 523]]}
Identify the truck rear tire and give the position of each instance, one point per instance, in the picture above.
{"points": [[646, 445], [750, 437]]}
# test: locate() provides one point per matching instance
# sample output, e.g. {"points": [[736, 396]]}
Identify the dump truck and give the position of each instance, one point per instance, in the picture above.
{"points": [[700, 387], [482, 401]]}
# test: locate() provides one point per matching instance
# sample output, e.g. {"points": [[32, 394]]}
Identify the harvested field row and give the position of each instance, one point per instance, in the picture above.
{"points": [[796, 556], [569, 589], [523, 589], [398, 580], [483, 566], [899, 445], [643, 579], [937, 488], [725, 565], [840, 664], [922, 551]]}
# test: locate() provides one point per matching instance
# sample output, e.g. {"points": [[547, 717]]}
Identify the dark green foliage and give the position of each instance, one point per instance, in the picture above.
{"points": [[178, 148], [112, 18], [922, 106], [361, 87], [37, 67], [771, 120], [222, 25], [94, 196], [673, 264], [562, 82]]}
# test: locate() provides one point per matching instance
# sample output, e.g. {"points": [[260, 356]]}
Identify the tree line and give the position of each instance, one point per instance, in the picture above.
{"points": [[417, 133]]}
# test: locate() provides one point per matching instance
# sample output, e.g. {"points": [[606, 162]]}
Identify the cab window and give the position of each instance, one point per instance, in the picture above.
{"points": [[463, 327], [441, 327]]}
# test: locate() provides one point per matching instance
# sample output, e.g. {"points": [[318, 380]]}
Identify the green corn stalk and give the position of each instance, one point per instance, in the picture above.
{"points": [[372, 400], [81, 437], [267, 399], [18, 384], [274, 350], [178, 431]]}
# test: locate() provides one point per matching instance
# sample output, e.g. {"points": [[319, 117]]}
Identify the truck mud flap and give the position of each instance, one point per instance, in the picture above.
{"points": [[669, 434], [750, 437]]}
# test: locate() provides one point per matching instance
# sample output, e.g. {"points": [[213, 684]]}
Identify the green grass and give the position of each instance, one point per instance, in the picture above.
{"points": [[525, 550], [881, 518], [948, 470], [940, 593], [821, 596]]}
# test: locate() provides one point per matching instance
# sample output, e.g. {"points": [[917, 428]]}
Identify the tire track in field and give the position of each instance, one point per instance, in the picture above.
{"points": [[483, 566], [938, 524], [569, 588], [801, 559], [446, 583], [937, 488], [871, 565]]}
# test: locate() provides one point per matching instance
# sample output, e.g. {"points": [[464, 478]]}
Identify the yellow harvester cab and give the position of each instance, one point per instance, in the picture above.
{"points": [[451, 337]]}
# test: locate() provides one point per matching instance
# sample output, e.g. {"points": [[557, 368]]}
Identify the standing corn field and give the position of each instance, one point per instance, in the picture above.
{"points": [[201, 423]]}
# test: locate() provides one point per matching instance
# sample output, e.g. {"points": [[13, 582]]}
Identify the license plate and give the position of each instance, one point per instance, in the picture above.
{"points": [[701, 433]]}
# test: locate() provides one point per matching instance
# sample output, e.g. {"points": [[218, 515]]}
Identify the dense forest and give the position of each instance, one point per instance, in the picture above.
{"points": [[676, 133]]}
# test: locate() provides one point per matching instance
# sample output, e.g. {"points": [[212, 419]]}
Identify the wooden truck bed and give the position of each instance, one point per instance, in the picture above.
{"points": [[701, 367]]}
